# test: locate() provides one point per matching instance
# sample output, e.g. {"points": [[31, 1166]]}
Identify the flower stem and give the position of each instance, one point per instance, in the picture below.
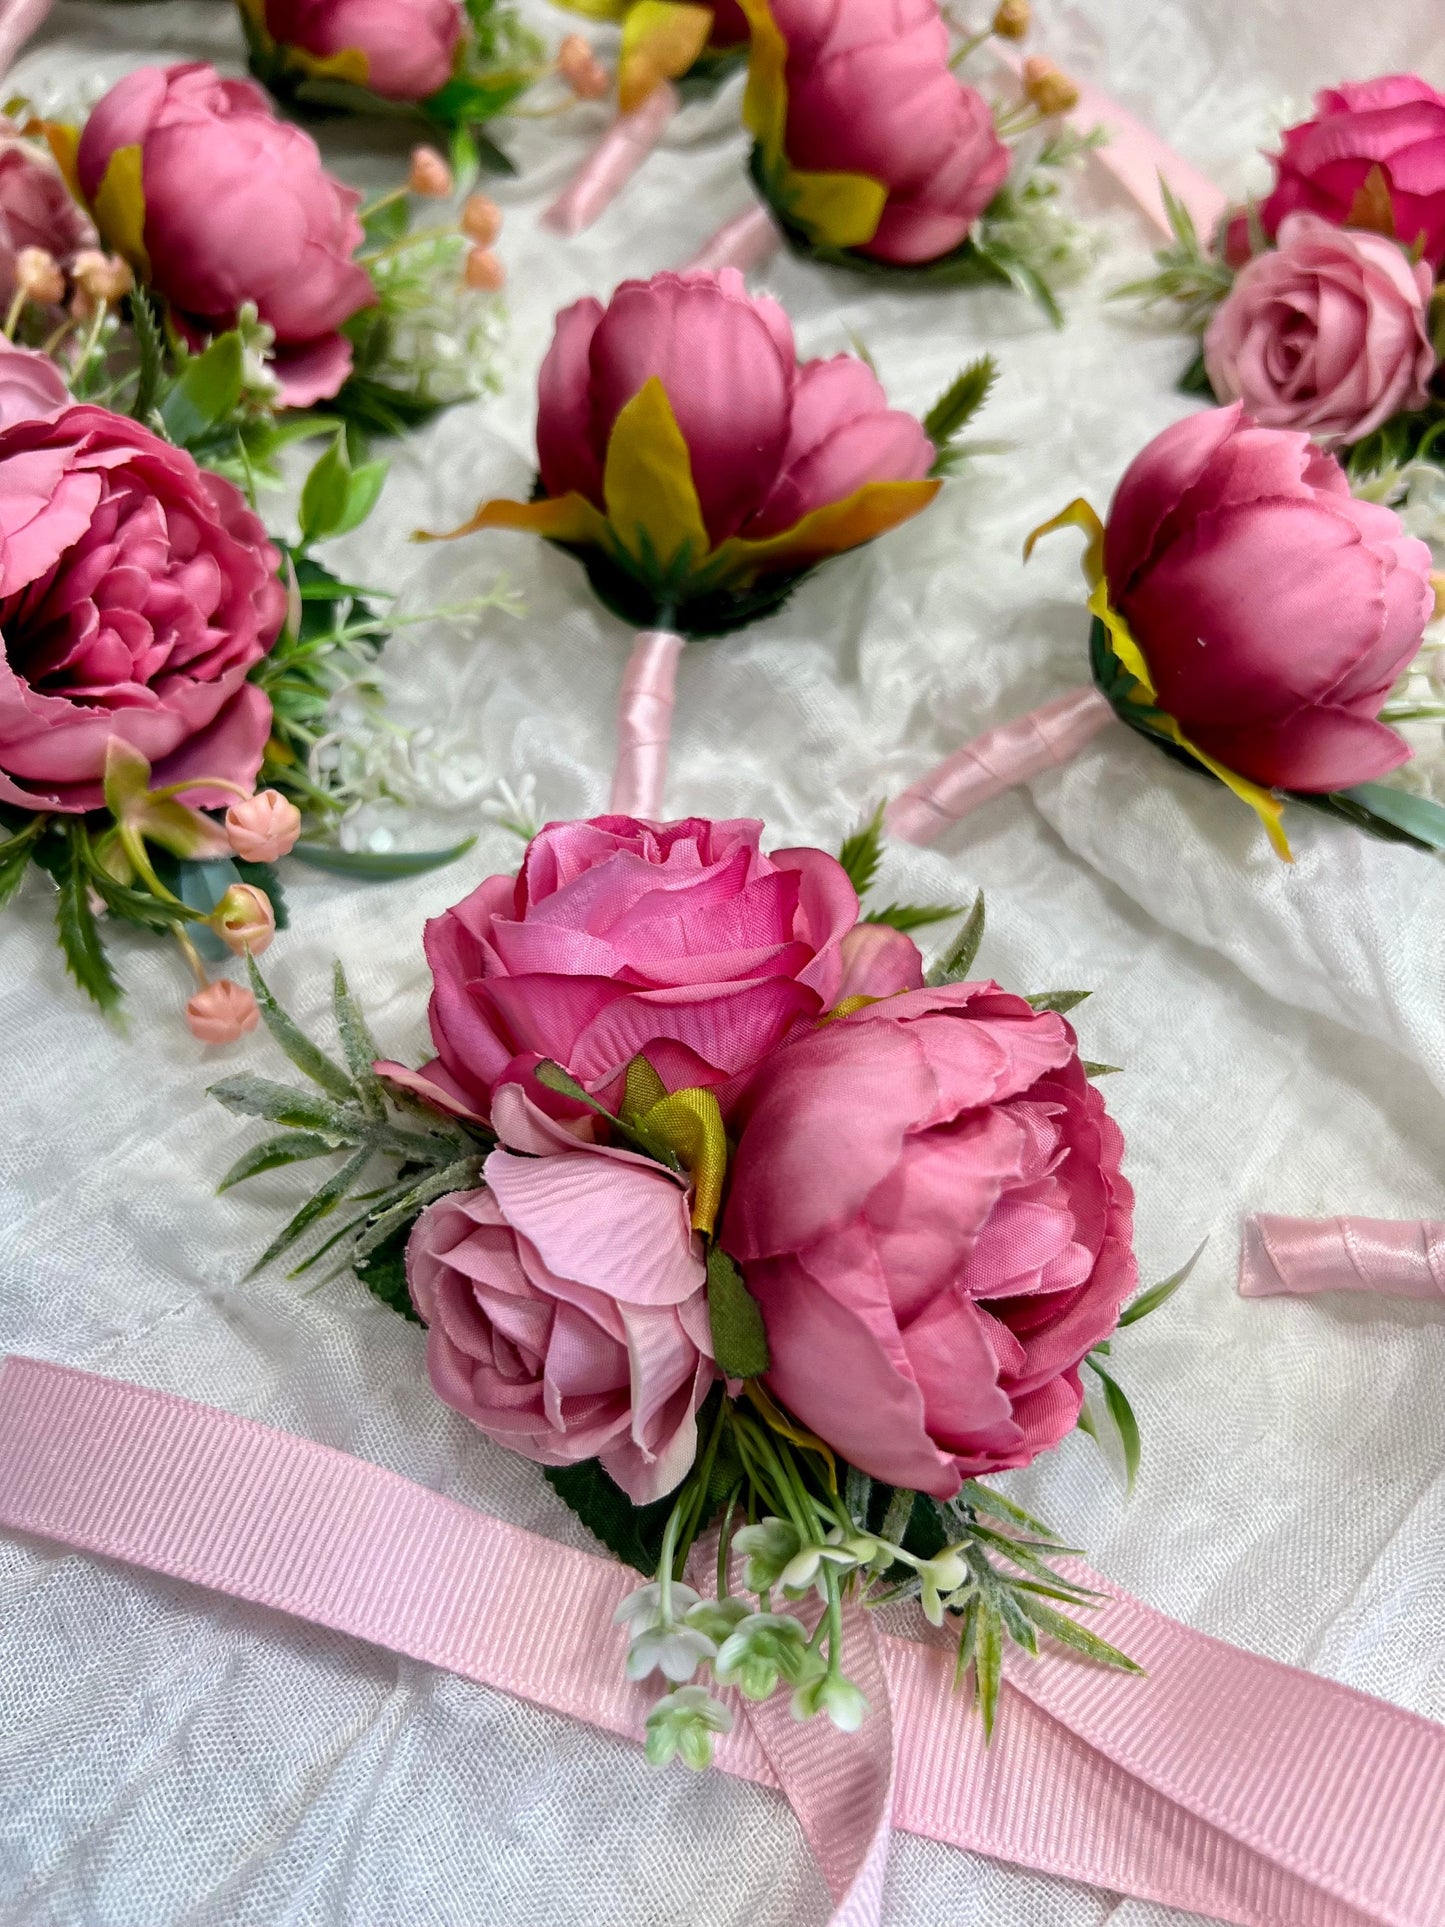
{"points": [[192, 956]]}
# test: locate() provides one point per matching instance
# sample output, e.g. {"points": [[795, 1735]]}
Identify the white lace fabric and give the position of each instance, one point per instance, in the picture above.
{"points": [[170, 1759]]}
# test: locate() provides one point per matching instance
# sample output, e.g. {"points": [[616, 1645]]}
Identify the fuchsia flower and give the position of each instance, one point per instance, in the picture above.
{"points": [[234, 207], [927, 1203], [403, 49], [1273, 610], [567, 1303], [1373, 157], [1329, 332], [137, 591]]}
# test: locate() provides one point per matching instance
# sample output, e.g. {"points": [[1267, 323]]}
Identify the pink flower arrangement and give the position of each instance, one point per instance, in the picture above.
{"points": [[402, 50]]}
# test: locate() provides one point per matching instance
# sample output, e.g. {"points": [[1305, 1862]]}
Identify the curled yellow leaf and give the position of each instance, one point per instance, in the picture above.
{"points": [[661, 39], [647, 484], [870, 511]]}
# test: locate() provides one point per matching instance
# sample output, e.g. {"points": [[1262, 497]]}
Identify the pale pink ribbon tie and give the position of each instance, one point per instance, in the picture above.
{"points": [[613, 162], [644, 724], [1221, 1782], [1390, 1257], [998, 760], [744, 243]]}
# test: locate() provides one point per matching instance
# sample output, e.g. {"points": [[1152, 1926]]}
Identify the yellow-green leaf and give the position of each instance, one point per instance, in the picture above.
{"points": [[660, 40], [870, 511], [647, 483], [560, 518], [120, 208], [689, 1124]]}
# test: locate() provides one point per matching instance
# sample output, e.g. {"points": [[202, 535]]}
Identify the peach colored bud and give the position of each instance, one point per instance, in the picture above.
{"points": [[244, 919], [1012, 21], [1050, 90], [37, 274], [481, 219], [581, 69], [222, 1012], [430, 174], [263, 827], [484, 271], [101, 277]]}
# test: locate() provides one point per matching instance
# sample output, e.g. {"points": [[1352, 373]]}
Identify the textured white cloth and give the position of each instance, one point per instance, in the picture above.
{"points": [[169, 1758]]}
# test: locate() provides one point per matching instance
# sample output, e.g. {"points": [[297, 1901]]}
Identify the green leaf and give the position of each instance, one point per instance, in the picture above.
{"points": [[151, 349], [207, 390], [983, 1498], [960, 401], [987, 1663], [862, 852], [358, 1044], [1125, 1423], [319, 1205], [1417, 816], [632, 1533], [289, 1148], [383, 1272], [301, 1110], [739, 1337], [913, 916], [1059, 1000], [565, 1085], [958, 961], [378, 866], [1158, 1295], [308, 1058], [463, 1175], [15, 855], [1091, 1069], [326, 492], [1068, 1632], [362, 494], [75, 923]]}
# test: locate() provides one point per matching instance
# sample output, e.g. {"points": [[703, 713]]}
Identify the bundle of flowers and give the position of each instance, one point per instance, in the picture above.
{"points": [[693, 47]]}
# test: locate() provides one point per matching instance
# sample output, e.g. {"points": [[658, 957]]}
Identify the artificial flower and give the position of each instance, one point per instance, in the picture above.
{"points": [[401, 50], [37, 209], [32, 388], [665, 40]]}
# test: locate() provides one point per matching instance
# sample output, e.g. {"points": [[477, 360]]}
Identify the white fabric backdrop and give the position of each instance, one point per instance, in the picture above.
{"points": [[169, 1758]]}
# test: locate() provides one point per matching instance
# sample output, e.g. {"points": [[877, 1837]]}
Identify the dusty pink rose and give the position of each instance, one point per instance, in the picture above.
{"points": [[37, 209], [1329, 333], [31, 386], [136, 593], [238, 208], [870, 92], [678, 940], [410, 45], [770, 439], [567, 1304], [1273, 609], [926, 1201], [1370, 141]]}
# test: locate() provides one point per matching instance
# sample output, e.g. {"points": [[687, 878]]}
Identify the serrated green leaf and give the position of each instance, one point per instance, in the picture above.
{"points": [[1125, 1423], [1059, 1000], [325, 492], [75, 923], [1068, 1632], [953, 967], [308, 1058], [302, 1110], [289, 1148], [358, 1045], [960, 401], [739, 1336], [15, 857], [319, 1205], [151, 350], [208, 388], [913, 916], [1159, 1294], [378, 866], [862, 852]]}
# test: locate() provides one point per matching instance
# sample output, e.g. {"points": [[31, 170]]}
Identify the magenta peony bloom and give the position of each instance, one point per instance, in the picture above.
{"points": [[770, 439], [870, 92], [409, 45], [1328, 333], [1274, 610], [1375, 148], [238, 208], [37, 209], [926, 1201], [680, 940], [567, 1304], [32, 388], [136, 592]]}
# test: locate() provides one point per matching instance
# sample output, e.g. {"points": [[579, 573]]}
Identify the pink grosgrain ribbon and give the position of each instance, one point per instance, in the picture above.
{"points": [[996, 761], [1221, 1782], [1392, 1257], [644, 724], [613, 162], [744, 243]]}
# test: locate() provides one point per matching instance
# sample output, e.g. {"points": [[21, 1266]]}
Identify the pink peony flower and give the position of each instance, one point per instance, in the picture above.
{"points": [[870, 92], [680, 940], [409, 45], [238, 208], [32, 388], [567, 1304], [1373, 156], [770, 439], [136, 593], [1273, 610], [1329, 333], [927, 1203], [37, 209]]}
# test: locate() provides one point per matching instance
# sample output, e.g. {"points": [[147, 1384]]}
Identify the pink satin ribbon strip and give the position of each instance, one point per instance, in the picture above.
{"points": [[996, 761], [644, 724], [1392, 1257], [743, 243], [612, 162], [1221, 1782]]}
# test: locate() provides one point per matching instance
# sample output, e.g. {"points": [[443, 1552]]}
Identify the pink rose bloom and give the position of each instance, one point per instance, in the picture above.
{"points": [[926, 1201], [136, 593], [567, 1304], [1273, 609], [870, 92], [680, 940], [237, 208], [1329, 333], [37, 209], [410, 45], [1368, 137], [31, 386], [770, 438]]}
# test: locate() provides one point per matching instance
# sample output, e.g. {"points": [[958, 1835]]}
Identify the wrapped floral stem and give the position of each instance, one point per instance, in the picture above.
{"points": [[644, 724], [613, 162], [1383, 1257], [744, 243]]}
